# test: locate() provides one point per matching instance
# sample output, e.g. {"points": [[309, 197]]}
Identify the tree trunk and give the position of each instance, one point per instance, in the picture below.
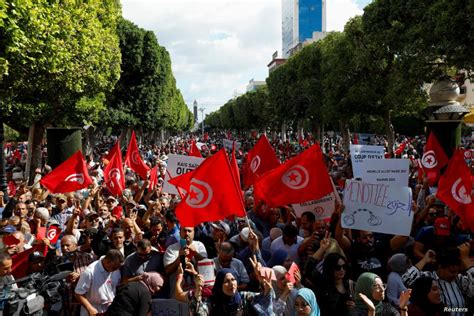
{"points": [[389, 130], [346, 137], [35, 142]]}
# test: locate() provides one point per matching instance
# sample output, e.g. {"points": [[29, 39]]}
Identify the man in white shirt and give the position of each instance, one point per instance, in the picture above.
{"points": [[189, 248], [96, 287], [289, 241]]}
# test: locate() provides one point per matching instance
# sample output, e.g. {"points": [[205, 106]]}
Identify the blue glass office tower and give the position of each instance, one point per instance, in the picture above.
{"points": [[300, 18]]}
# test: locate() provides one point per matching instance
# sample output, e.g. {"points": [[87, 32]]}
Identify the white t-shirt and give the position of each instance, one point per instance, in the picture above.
{"points": [[172, 253], [98, 286]]}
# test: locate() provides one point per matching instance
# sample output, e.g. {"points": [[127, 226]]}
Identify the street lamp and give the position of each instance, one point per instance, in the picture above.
{"points": [[202, 123], [444, 114]]}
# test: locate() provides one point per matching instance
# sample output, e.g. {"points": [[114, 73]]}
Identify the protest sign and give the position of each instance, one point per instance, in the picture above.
{"points": [[322, 208], [377, 207], [206, 269], [227, 143], [169, 307], [390, 171], [361, 152], [178, 165]]}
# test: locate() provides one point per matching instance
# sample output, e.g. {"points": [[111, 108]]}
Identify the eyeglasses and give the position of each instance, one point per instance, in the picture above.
{"points": [[340, 267], [380, 288]]}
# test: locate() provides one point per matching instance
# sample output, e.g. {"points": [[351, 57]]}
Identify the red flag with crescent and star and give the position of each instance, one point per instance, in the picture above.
{"points": [[260, 159], [194, 151], [134, 160], [298, 180], [113, 173], [212, 193], [71, 175], [434, 158], [455, 189]]}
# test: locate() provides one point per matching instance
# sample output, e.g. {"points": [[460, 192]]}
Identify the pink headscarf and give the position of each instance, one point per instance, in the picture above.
{"points": [[153, 281]]}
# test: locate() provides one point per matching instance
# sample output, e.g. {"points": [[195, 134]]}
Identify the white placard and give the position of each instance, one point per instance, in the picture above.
{"points": [[390, 171], [322, 208], [178, 165], [361, 152], [206, 269], [378, 208], [200, 145], [169, 307], [227, 143]]}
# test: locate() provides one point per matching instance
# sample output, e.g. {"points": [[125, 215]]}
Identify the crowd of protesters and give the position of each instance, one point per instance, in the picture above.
{"points": [[125, 250]]}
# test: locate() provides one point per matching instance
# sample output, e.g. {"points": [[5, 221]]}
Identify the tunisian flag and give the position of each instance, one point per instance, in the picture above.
{"points": [[194, 151], [235, 166], [212, 194], [134, 160], [113, 173], [455, 187], [71, 175], [300, 179], [434, 158], [260, 159]]}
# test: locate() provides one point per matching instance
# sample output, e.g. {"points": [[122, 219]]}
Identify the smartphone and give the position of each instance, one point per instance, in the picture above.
{"points": [[182, 242]]}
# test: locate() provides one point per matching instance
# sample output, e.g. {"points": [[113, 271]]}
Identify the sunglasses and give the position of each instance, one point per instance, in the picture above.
{"points": [[340, 267]]}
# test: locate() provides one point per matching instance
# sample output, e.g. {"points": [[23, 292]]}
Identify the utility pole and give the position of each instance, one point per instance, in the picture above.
{"points": [[202, 109]]}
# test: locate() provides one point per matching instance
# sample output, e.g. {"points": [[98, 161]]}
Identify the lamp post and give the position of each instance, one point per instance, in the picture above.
{"points": [[202, 123], [443, 115]]}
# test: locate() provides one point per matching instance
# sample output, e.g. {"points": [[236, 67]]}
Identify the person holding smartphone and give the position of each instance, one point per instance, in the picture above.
{"points": [[186, 249]]}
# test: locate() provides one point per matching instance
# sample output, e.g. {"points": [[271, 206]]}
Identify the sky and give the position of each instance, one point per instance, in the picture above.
{"points": [[217, 46]]}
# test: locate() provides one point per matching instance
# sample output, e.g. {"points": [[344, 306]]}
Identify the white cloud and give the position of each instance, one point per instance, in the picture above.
{"points": [[217, 46]]}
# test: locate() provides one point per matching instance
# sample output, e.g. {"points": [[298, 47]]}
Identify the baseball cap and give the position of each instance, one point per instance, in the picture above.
{"points": [[9, 229], [222, 226], [35, 255], [61, 197], [111, 197], [442, 226]]}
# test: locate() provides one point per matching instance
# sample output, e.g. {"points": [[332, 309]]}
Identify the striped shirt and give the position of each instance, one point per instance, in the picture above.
{"points": [[454, 293]]}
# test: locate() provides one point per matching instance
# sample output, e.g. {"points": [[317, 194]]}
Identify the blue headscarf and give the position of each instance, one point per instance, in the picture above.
{"points": [[278, 258], [223, 304], [310, 298]]}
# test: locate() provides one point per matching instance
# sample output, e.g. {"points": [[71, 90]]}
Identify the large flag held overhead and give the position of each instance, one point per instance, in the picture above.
{"points": [[194, 151], [69, 176], [455, 187], [260, 159], [434, 158], [212, 194], [113, 173], [298, 180], [134, 160]]}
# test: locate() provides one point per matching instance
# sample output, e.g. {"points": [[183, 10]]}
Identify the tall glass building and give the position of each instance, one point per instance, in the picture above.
{"points": [[300, 18]]}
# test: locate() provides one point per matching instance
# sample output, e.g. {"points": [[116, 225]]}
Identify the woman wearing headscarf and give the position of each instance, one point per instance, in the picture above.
{"points": [[285, 293], [425, 298], [306, 304], [398, 264], [370, 293], [134, 298], [225, 299], [333, 288]]}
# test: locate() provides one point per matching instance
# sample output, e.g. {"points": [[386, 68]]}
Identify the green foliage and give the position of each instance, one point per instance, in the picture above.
{"points": [[57, 52], [146, 94]]}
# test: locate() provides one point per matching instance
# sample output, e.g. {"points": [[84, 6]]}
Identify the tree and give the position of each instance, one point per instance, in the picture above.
{"points": [[53, 53]]}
